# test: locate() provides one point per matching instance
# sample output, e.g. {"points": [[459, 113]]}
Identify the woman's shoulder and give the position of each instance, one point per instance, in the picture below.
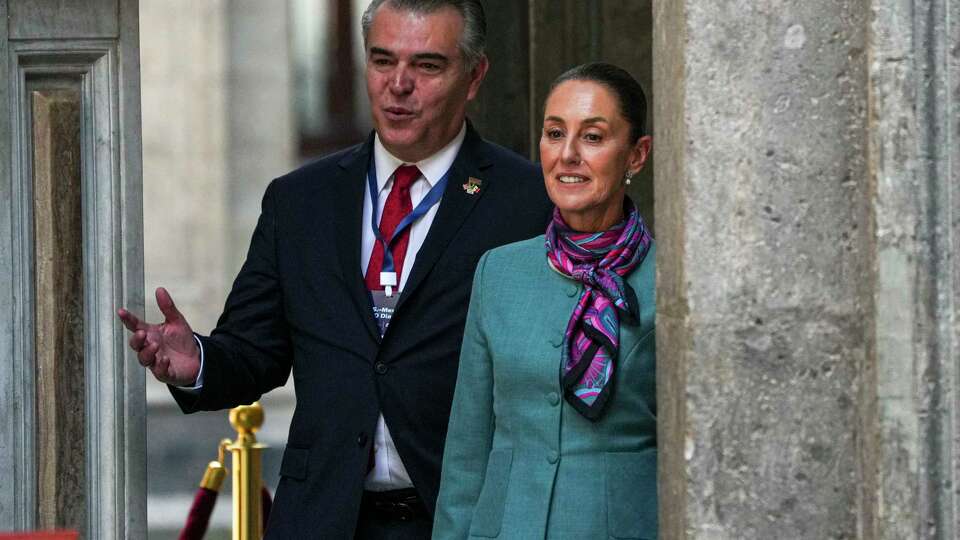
{"points": [[514, 260], [530, 250]]}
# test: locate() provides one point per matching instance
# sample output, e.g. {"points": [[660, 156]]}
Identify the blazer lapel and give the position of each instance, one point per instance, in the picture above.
{"points": [[454, 208], [349, 194]]}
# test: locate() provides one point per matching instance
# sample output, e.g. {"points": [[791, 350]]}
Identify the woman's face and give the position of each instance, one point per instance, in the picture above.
{"points": [[585, 152]]}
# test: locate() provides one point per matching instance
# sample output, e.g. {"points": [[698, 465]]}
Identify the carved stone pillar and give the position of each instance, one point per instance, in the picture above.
{"points": [[72, 420]]}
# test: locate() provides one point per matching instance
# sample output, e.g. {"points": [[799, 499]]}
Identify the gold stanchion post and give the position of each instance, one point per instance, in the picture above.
{"points": [[246, 452]]}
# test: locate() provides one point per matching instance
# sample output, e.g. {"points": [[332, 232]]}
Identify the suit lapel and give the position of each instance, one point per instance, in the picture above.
{"points": [[454, 208], [349, 187]]}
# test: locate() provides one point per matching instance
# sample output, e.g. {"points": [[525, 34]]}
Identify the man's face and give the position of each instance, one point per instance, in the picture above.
{"points": [[417, 81]]}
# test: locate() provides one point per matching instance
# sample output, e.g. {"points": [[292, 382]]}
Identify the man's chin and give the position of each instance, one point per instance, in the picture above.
{"points": [[396, 137], [400, 143]]}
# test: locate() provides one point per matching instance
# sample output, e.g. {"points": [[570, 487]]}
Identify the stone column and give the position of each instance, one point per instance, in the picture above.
{"points": [[808, 283], [763, 309]]}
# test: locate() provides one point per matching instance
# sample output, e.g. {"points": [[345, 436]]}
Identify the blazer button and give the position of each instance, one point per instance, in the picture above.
{"points": [[573, 290], [553, 398], [380, 368], [362, 439], [557, 340], [553, 457]]}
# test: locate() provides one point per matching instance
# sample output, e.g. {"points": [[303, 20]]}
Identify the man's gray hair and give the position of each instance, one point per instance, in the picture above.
{"points": [[473, 42]]}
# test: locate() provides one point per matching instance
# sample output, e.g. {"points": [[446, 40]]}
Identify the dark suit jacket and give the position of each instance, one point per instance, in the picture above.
{"points": [[300, 303]]}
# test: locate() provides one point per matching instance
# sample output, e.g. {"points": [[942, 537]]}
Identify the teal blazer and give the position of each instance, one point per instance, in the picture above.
{"points": [[519, 462]]}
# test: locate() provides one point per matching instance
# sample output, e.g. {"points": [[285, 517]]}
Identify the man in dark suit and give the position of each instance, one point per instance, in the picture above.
{"points": [[358, 279]]}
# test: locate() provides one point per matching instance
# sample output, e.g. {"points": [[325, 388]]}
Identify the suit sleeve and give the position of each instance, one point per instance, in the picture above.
{"points": [[249, 352], [470, 433]]}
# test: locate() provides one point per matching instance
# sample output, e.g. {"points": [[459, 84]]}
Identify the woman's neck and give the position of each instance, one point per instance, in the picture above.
{"points": [[594, 222]]}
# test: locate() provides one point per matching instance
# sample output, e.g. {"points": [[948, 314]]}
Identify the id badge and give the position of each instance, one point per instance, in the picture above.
{"points": [[383, 307]]}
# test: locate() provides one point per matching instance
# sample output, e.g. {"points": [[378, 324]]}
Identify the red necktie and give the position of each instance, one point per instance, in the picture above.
{"points": [[398, 205]]}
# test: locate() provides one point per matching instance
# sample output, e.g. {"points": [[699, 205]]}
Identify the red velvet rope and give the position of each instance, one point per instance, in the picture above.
{"points": [[199, 517]]}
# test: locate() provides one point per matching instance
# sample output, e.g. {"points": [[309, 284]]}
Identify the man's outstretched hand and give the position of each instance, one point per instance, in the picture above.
{"points": [[168, 349]]}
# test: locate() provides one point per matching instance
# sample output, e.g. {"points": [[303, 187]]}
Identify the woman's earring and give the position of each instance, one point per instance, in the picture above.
{"points": [[627, 177]]}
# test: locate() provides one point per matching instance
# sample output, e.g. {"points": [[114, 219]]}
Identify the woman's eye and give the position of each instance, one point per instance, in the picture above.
{"points": [[554, 133], [593, 137]]}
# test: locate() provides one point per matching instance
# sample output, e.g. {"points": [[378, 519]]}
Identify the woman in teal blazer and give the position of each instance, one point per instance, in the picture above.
{"points": [[553, 428]]}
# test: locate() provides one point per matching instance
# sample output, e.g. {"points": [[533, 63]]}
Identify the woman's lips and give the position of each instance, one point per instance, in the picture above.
{"points": [[569, 179]]}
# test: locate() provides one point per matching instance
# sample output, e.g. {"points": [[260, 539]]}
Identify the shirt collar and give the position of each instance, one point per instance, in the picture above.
{"points": [[432, 168]]}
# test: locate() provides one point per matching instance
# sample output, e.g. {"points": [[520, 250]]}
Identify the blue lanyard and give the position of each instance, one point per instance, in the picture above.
{"points": [[433, 197]]}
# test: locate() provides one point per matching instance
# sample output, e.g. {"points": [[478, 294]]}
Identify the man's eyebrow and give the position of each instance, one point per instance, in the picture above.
{"points": [[430, 56], [416, 57]]}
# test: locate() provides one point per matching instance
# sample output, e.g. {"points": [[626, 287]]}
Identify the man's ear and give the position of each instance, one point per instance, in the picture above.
{"points": [[476, 77]]}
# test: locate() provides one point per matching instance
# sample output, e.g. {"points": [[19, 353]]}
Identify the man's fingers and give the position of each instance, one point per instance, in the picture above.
{"points": [[148, 355], [167, 307], [129, 320], [161, 369], [137, 340]]}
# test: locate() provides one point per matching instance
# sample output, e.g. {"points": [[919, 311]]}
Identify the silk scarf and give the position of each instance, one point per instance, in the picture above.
{"points": [[600, 261]]}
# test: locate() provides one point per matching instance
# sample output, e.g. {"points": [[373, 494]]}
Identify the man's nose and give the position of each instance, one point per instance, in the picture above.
{"points": [[401, 81]]}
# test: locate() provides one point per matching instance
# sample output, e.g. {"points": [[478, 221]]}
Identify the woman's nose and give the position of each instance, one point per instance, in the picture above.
{"points": [[570, 152]]}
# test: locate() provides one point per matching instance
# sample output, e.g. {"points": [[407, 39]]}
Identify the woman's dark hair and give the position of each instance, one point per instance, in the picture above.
{"points": [[633, 102]]}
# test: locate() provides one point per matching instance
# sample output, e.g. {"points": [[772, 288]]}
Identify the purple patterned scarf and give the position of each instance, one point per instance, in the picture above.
{"points": [[591, 342]]}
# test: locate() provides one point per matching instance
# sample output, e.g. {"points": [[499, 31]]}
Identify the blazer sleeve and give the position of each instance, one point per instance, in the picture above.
{"points": [[249, 352], [470, 432]]}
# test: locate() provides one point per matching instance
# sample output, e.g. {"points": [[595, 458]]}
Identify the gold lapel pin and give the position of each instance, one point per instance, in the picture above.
{"points": [[472, 187]]}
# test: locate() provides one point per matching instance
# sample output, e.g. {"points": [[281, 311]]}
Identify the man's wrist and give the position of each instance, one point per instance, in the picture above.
{"points": [[198, 382]]}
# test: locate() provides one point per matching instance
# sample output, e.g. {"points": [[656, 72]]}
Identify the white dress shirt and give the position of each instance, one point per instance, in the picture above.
{"points": [[388, 471]]}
